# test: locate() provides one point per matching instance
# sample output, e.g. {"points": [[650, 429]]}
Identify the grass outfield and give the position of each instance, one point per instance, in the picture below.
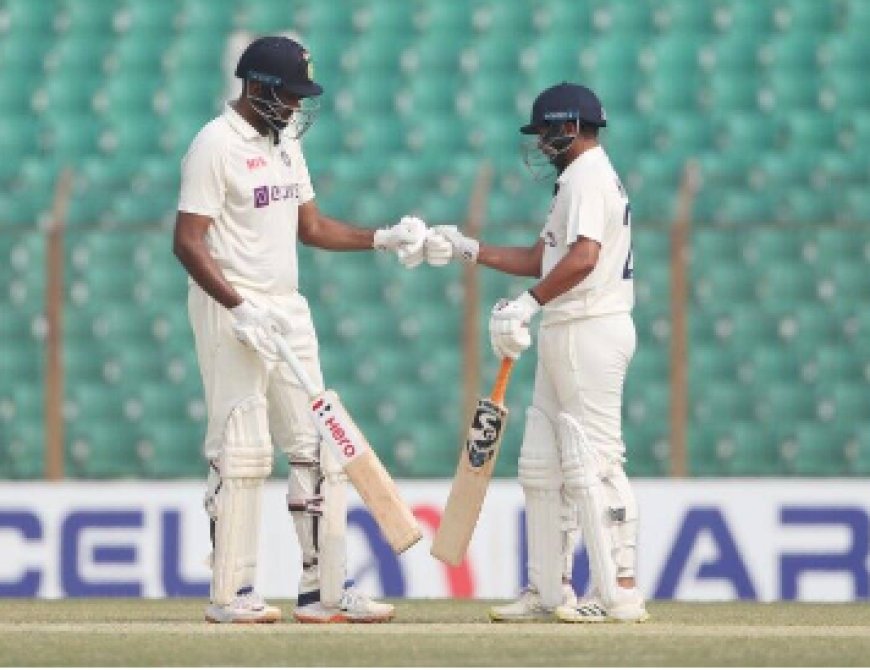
{"points": [[166, 633]]}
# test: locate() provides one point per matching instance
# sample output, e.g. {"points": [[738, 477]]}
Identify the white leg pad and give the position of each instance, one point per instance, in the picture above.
{"points": [[623, 518], [570, 537], [583, 485], [236, 535], [233, 498], [333, 545], [541, 478]]}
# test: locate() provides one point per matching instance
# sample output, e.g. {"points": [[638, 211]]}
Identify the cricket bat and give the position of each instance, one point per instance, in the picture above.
{"points": [[476, 463], [364, 469]]}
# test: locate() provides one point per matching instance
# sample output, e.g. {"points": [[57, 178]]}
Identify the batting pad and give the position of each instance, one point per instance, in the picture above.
{"points": [[237, 529], [541, 479], [583, 484]]}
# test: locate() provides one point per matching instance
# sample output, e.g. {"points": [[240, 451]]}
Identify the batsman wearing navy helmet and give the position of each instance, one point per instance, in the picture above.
{"points": [[246, 198], [571, 461]]}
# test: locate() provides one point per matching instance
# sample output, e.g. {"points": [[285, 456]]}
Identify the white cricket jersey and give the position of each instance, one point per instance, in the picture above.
{"points": [[590, 201], [252, 189]]}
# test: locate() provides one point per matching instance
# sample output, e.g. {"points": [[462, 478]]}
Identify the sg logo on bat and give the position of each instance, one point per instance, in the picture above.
{"points": [[484, 433]]}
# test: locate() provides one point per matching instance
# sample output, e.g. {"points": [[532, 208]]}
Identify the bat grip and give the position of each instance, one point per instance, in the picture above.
{"points": [[295, 364], [501, 381]]}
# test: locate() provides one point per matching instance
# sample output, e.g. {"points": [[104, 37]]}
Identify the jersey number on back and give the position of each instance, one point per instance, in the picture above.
{"points": [[628, 268]]}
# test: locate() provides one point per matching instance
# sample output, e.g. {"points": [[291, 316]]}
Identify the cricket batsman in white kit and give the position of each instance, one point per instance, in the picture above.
{"points": [[246, 196], [572, 455]]}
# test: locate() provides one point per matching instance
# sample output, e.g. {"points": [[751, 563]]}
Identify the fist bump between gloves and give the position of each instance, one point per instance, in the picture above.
{"points": [[509, 325], [257, 327], [407, 238], [444, 243]]}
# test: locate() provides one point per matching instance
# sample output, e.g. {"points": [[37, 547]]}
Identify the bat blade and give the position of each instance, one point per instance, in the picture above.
{"points": [[473, 473], [365, 471]]}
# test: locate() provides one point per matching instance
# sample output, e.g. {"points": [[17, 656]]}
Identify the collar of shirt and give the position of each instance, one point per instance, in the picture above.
{"points": [[239, 124], [583, 159]]}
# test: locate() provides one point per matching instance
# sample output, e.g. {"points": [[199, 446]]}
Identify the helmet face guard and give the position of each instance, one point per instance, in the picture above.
{"points": [[541, 155], [281, 117]]}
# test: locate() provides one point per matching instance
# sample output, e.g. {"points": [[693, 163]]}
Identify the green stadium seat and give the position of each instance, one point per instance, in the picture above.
{"points": [[204, 17], [85, 17], [805, 130], [834, 364], [626, 19], [722, 285], [858, 205], [721, 402], [195, 51], [385, 20], [786, 91], [821, 450], [16, 137], [785, 403], [753, 450], [791, 51], [23, 52], [745, 132], [122, 94], [101, 449], [442, 18], [364, 98], [169, 449], [135, 55], [709, 363], [744, 17], [70, 136], [841, 92], [495, 17], [141, 17], [556, 55], [494, 54], [664, 92], [843, 53], [562, 16], [808, 207], [25, 16], [683, 16], [805, 16], [134, 134], [730, 91], [742, 208], [21, 450], [676, 55], [857, 452]]}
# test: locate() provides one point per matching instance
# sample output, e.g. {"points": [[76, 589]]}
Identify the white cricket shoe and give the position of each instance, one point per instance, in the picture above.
{"points": [[529, 608], [629, 609], [354, 607], [247, 607]]}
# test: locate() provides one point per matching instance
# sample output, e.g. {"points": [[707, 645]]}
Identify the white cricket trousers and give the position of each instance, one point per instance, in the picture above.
{"points": [[581, 370], [232, 372]]}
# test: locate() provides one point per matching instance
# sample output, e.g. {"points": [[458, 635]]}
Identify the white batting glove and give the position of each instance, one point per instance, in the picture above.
{"points": [[257, 327], [461, 246], [439, 251], [509, 325], [407, 238]]}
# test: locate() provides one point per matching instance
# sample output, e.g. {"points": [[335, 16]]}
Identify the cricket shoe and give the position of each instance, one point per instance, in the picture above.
{"points": [[528, 608], [629, 609], [354, 607], [247, 607]]}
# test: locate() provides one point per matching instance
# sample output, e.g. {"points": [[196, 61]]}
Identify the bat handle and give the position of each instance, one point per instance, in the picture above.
{"points": [[296, 365], [501, 381]]}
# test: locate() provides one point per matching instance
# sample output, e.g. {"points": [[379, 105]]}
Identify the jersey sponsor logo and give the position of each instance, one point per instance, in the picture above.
{"points": [[255, 163], [265, 195]]}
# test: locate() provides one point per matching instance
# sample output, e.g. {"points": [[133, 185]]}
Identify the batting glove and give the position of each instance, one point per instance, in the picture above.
{"points": [[257, 327], [460, 246], [407, 238], [509, 325]]}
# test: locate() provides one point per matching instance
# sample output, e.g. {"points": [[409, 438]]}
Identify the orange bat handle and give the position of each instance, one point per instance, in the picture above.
{"points": [[501, 381]]}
